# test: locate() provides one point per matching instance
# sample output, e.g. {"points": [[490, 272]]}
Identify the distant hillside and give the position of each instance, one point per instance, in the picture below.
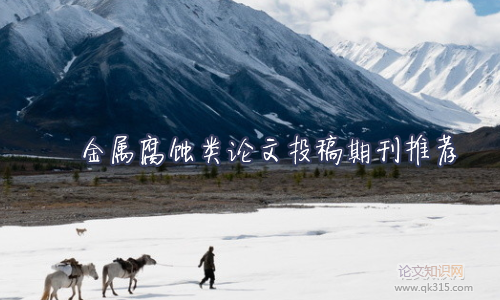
{"points": [[483, 139], [484, 159]]}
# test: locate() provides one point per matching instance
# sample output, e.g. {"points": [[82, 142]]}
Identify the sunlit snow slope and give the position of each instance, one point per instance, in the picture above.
{"points": [[463, 75]]}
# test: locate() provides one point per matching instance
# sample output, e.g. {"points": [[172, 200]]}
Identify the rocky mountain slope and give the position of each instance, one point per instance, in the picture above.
{"points": [[187, 68]]}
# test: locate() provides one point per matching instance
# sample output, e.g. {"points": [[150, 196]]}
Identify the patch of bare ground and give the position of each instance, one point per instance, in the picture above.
{"points": [[56, 199]]}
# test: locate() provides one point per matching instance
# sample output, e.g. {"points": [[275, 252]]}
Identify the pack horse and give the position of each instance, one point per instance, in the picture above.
{"points": [[60, 279], [120, 268]]}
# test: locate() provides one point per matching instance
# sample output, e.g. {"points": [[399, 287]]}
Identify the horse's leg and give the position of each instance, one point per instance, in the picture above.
{"points": [[109, 283], [73, 290], [80, 290], [135, 284], [105, 287], [106, 279], [112, 288], [130, 284], [54, 294]]}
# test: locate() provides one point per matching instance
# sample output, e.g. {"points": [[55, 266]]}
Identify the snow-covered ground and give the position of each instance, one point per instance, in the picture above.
{"points": [[349, 251]]}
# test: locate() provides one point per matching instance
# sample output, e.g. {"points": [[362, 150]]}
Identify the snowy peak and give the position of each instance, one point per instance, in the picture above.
{"points": [[433, 68], [186, 68], [370, 55], [45, 43], [463, 74], [12, 11], [15, 10]]}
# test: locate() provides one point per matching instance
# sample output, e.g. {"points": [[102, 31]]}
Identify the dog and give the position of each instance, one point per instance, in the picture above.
{"points": [[81, 231]]}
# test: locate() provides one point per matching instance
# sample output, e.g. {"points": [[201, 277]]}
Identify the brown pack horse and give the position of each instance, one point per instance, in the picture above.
{"points": [[115, 270], [59, 279]]}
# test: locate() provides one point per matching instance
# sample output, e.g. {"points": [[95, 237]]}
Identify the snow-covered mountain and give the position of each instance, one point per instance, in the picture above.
{"points": [[188, 68], [441, 112], [461, 74]]}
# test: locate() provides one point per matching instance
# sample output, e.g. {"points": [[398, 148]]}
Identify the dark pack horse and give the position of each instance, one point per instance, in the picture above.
{"points": [[124, 269]]}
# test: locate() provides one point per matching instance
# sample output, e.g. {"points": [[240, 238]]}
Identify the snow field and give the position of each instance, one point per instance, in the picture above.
{"points": [[349, 251]]}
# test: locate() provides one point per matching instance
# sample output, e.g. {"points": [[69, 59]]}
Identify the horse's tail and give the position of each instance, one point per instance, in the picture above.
{"points": [[104, 277], [46, 291]]}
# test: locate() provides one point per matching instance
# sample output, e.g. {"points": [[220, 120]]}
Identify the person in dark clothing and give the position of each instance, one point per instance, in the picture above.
{"points": [[208, 261]]}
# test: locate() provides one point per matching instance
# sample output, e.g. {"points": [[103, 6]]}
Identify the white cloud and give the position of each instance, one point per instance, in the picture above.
{"points": [[395, 23]]}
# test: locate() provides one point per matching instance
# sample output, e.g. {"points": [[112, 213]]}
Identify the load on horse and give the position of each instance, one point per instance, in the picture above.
{"points": [[70, 267]]}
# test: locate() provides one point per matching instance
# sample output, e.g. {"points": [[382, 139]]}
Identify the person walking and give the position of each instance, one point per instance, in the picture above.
{"points": [[208, 261]]}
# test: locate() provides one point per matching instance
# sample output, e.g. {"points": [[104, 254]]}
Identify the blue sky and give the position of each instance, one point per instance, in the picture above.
{"points": [[485, 7]]}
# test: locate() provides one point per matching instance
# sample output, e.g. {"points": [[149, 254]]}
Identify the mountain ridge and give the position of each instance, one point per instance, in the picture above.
{"points": [[464, 75], [190, 69]]}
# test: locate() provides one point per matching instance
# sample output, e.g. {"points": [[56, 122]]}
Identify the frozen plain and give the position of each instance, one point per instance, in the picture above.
{"points": [[330, 251]]}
